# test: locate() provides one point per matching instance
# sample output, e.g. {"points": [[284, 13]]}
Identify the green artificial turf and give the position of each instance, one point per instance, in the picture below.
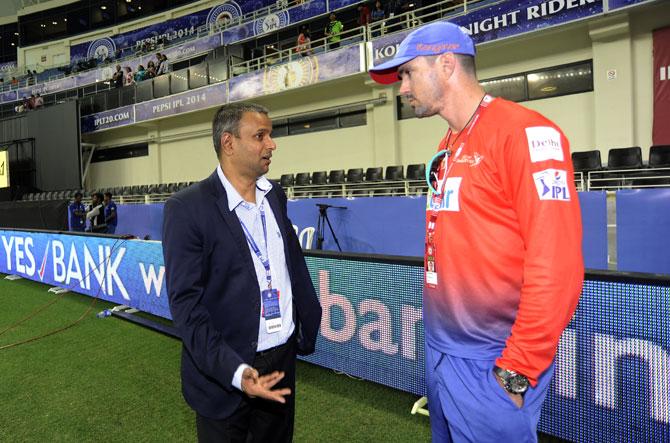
{"points": [[111, 380]]}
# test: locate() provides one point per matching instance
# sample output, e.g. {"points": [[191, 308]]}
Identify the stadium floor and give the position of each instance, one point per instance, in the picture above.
{"points": [[111, 380]]}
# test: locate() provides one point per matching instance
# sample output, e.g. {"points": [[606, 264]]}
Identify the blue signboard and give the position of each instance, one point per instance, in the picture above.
{"points": [[108, 119], [167, 31], [128, 272], [501, 20], [203, 98], [643, 224]]}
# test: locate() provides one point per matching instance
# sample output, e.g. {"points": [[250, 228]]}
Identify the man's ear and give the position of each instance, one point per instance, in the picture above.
{"points": [[446, 63], [226, 143]]}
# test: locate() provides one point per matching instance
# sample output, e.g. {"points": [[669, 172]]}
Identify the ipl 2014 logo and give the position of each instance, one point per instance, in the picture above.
{"points": [[101, 49]]}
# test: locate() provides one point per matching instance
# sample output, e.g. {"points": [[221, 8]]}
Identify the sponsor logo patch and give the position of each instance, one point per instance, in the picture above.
{"points": [[552, 184], [544, 143], [449, 199]]}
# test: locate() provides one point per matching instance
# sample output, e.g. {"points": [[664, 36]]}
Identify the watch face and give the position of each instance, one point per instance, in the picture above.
{"points": [[518, 384]]}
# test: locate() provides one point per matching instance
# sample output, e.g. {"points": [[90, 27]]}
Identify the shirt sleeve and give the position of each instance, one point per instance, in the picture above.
{"points": [[538, 179], [237, 377]]}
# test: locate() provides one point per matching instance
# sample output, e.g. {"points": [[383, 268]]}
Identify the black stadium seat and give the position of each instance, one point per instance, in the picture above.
{"points": [[416, 172], [302, 179], [373, 174], [336, 177], [585, 161], [287, 180], [355, 175], [625, 158], [659, 156], [319, 178], [394, 173]]}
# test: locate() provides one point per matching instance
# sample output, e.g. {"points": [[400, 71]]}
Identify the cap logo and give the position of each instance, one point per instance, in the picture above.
{"points": [[440, 47]]}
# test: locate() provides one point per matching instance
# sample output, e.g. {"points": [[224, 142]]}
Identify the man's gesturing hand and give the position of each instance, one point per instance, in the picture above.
{"points": [[255, 385]]}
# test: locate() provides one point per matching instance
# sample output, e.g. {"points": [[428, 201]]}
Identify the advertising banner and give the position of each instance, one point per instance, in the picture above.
{"points": [[612, 374], [203, 98], [108, 119], [503, 19]]}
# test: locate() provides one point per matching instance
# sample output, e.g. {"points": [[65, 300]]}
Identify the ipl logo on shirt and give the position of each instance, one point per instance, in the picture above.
{"points": [[552, 184]]}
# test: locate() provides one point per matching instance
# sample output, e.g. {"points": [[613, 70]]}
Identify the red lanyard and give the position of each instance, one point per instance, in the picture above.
{"points": [[437, 198]]}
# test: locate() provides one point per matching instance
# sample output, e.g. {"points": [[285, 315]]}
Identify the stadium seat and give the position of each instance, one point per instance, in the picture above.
{"points": [[163, 188], [625, 158], [319, 178], [416, 172], [144, 189], [336, 177], [585, 161], [302, 179], [394, 173], [355, 175], [373, 174], [658, 174], [659, 156], [287, 180]]}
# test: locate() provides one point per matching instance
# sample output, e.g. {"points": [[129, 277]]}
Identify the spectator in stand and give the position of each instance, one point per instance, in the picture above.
{"points": [[117, 78], [333, 31], [31, 101], [141, 74], [163, 67], [151, 70], [304, 42], [39, 101], [128, 78], [378, 14], [77, 214], [111, 217], [159, 61], [96, 214], [363, 15], [15, 82]]}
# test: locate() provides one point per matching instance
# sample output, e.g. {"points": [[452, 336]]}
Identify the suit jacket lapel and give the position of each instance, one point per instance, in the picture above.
{"points": [[232, 222]]}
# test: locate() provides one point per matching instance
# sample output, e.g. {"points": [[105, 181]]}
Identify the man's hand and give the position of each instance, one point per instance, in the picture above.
{"points": [[255, 385], [517, 399]]}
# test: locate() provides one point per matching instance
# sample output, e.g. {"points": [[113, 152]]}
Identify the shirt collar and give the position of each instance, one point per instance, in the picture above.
{"points": [[234, 198]]}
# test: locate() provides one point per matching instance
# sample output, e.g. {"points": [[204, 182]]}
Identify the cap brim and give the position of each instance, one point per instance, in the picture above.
{"points": [[387, 73]]}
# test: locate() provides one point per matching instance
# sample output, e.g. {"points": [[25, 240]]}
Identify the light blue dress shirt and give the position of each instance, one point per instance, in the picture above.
{"points": [[249, 214]]}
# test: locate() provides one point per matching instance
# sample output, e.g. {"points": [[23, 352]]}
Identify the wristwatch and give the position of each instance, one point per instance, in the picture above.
{"points": [[513, 382]]}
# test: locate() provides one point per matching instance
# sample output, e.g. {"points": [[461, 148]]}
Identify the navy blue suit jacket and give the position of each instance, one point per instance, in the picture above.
{"points": [[214, 294]]}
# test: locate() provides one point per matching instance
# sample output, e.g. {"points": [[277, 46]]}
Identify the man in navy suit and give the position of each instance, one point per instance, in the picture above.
{"points": [[239, 290]]}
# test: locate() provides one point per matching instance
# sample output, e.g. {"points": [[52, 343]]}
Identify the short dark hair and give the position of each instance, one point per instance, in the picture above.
{"points": [[227, 119], [108, 194], [467, 63], [77, 194]]}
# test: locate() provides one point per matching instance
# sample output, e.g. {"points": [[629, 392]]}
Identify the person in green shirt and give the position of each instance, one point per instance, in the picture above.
{"points": [[333, 31]]}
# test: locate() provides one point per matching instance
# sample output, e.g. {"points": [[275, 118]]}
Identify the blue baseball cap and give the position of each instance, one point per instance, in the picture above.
{"points": [[432, 39]]}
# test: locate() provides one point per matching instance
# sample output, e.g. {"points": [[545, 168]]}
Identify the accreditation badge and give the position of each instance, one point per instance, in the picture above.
{"points": [[271, 310]]}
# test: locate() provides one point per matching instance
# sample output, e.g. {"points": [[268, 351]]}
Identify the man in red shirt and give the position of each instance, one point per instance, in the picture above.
{"points": [[503, 261]]}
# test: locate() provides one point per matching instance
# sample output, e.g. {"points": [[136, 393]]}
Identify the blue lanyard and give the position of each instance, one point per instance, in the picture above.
{"points": [[254, 247]]}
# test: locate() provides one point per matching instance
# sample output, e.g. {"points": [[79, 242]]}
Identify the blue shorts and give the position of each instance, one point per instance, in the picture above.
{"points": [[467, 404]]}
